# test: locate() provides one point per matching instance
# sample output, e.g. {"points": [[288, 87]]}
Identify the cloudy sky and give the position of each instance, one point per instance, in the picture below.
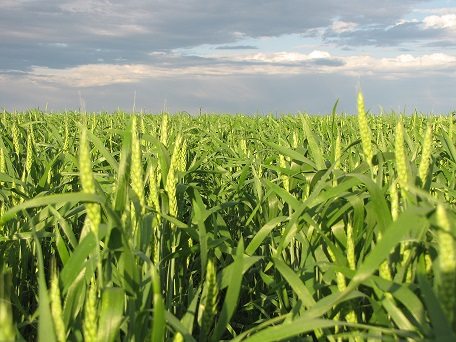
{"points": [[228, 56]]}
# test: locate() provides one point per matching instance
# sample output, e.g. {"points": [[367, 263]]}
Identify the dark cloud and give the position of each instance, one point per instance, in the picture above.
{"points": [[128, 30]]}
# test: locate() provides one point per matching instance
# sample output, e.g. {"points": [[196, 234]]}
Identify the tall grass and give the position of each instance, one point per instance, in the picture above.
{"points": [[171, 227]]}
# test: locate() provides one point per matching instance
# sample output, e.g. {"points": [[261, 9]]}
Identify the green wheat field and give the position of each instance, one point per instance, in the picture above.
{"points": [[140, 227]]}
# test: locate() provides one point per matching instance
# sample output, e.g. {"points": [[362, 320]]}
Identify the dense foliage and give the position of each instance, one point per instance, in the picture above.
{"points": [[156, 227]]}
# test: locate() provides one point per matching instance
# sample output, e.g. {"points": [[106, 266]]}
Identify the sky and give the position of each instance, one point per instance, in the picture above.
{"points": [[252, 57]]}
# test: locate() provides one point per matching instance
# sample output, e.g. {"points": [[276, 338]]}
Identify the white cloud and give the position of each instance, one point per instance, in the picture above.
{"points": [[403, 22], [405, 65], [121, 30], [280, 57], [95, 75], [447, 21], [343, 26], [317, 54], [90, 75]]}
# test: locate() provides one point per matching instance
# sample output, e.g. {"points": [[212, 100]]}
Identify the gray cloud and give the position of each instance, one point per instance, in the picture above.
{"points": [[335, 62], [128, 31], [379, 35], [236, 47], [441, 44], [49, 47]]}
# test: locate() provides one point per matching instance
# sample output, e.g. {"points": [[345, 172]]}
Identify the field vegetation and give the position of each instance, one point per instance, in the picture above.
{"points": [[135, 227]]}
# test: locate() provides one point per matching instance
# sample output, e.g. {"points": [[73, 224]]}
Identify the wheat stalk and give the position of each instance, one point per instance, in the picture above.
{"points": [[90, 314], [136, 171], [447, 264], [171, 179], [426, 155], [15, 135], [7, 330], [29, 154], [164, 129], [285, 178], [401, 159], [56, 308], [66, 142], [87, 180], [364, 130], [208, 305]]}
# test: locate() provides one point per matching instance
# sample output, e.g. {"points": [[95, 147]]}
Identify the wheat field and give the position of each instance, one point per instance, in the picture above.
{"points": [[135, 227]]}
